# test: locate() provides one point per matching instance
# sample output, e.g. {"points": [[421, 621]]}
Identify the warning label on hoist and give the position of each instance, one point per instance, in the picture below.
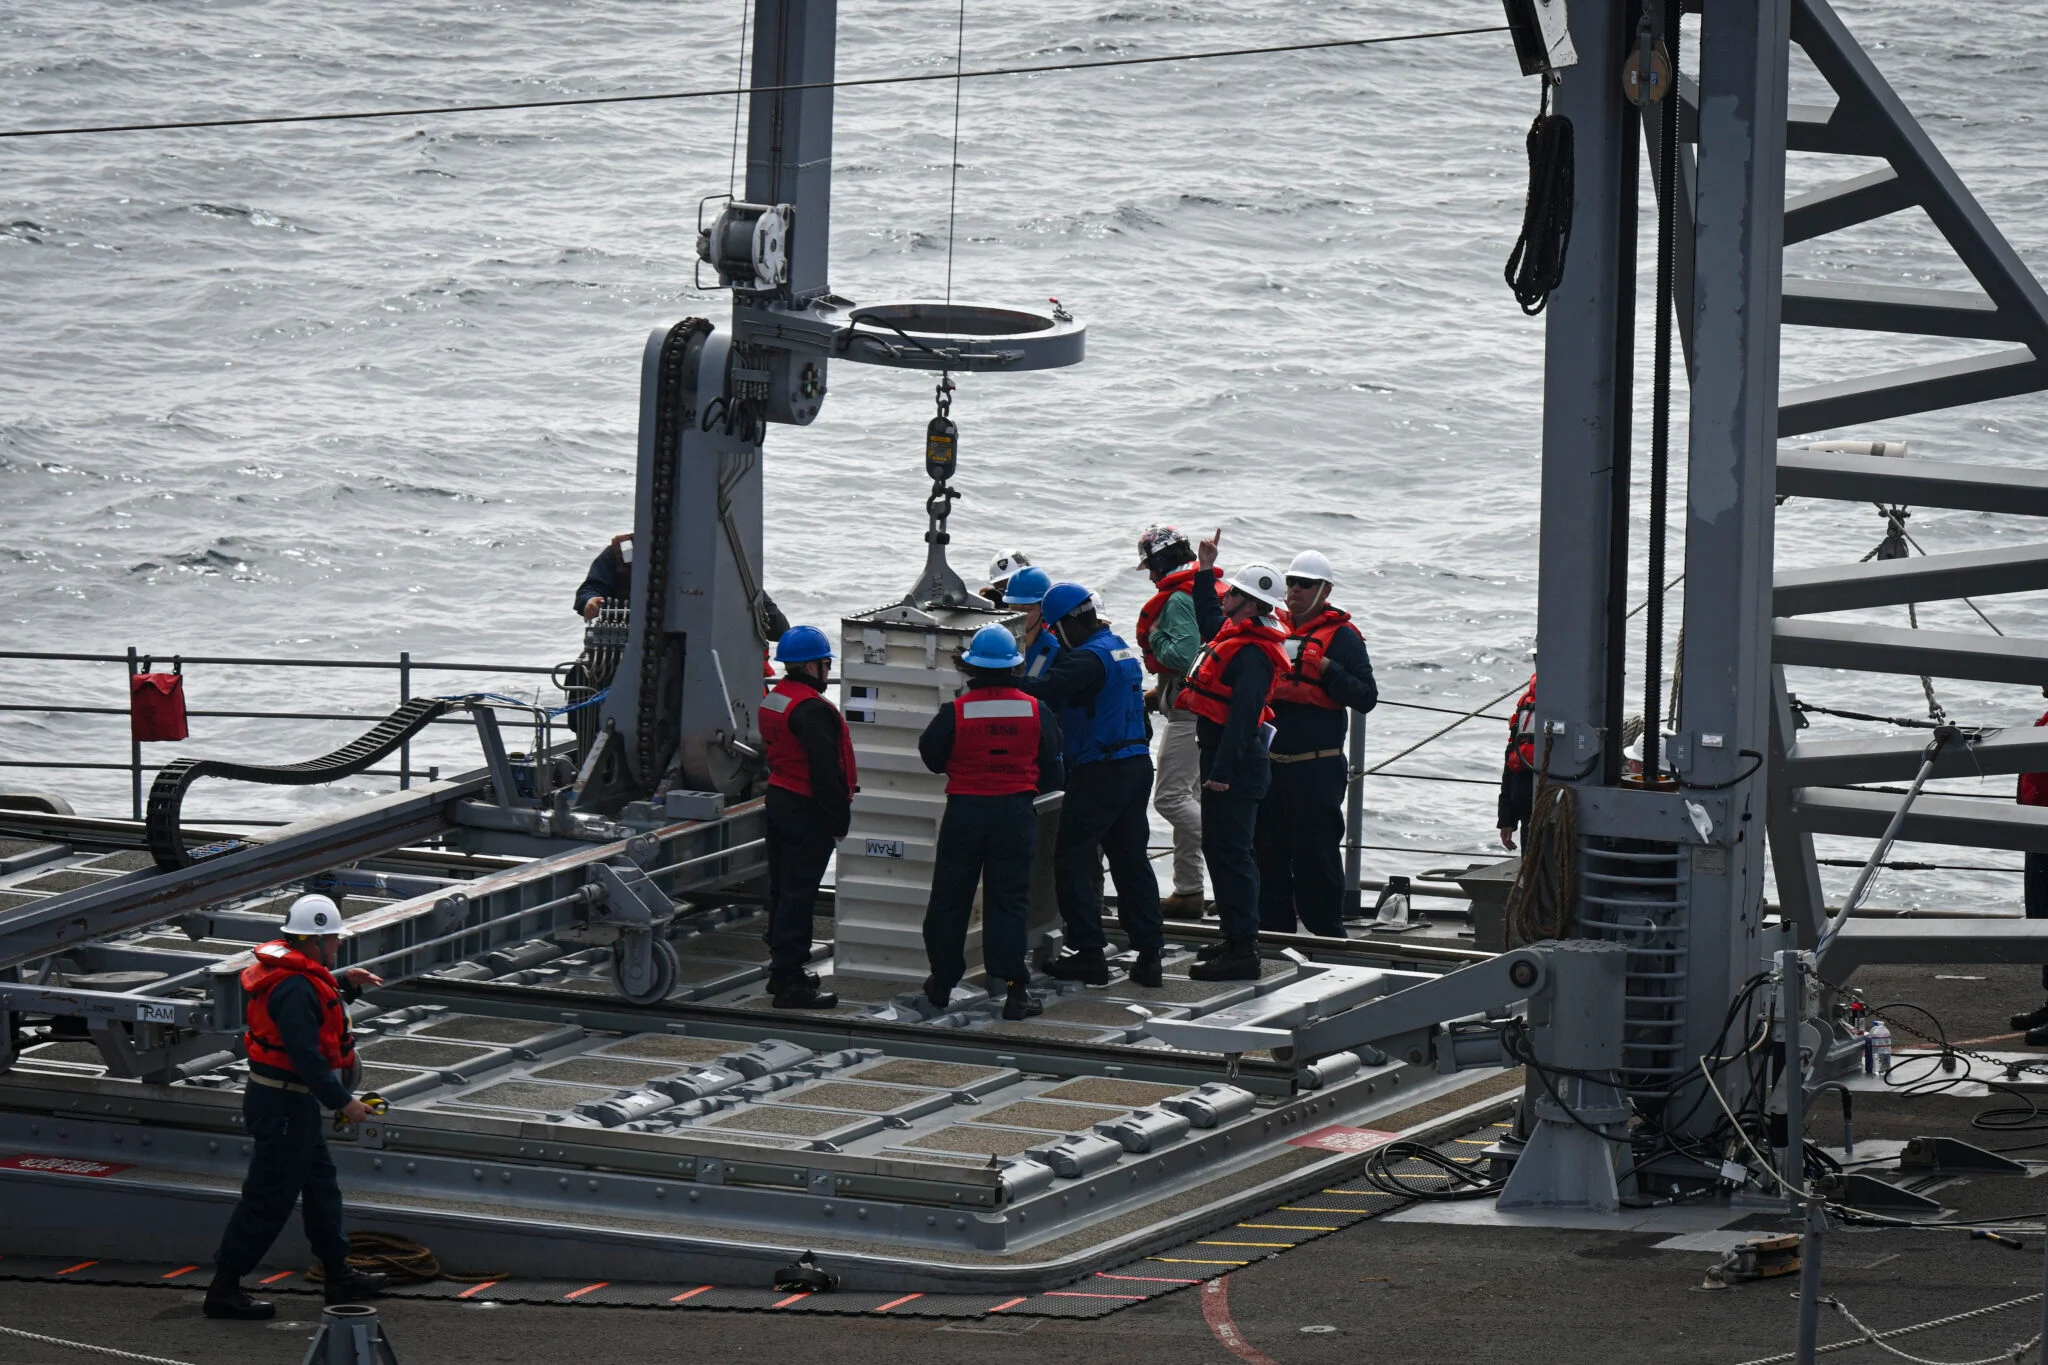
{"points": [[63, 1165], [1338, 1138]]}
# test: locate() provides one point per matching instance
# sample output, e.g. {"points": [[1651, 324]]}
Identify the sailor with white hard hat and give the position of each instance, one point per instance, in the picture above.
{"points": [[1301, 821], [302, 1058], [1241, 656]]}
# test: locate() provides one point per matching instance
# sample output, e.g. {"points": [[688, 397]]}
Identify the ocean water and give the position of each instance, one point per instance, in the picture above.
{"points": [[338, 391]]}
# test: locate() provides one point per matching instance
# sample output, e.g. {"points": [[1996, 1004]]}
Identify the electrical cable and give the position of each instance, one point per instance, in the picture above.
{"points": [[722, 93], [1462, 1181]]}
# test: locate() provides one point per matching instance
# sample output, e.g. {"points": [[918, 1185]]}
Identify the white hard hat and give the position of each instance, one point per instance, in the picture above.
{"points": [[1312, 564], [313, 915], [1262, 581], [1003, 566]]}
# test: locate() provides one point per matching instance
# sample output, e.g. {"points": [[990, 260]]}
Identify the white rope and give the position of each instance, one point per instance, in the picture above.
{"points": [[1877, 1338], [2009, 1354], [87, 1346]]}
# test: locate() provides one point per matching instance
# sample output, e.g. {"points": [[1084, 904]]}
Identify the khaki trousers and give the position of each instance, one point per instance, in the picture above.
{"points": [[1177, 796]]}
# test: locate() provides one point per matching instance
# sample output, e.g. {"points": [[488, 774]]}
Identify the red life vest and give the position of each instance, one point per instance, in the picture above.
{"points": [[2034, 786], [1206, 694], [995, 743], [1522, 732], [1302, 681], [789, 766], [1180, 580], [276, 961]]}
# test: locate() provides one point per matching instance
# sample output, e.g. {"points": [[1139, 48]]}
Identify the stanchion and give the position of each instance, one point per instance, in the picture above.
{"points": [[350, 1334]]}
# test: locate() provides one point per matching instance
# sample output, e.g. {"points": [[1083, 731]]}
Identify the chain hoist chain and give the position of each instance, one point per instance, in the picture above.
{"points": [[672, 414]]}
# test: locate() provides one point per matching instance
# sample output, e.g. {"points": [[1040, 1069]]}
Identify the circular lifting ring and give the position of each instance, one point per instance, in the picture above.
{"points": [[962, 337]]}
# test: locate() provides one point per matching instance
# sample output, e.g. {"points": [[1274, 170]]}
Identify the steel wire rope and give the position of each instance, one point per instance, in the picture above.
{"points": [[1874, 1339], [88, 1346], [1660, 392], [665, 96], [732, 174]]}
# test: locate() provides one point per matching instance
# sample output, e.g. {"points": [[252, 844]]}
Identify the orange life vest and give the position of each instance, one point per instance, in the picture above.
{"points": [[789, 765], [1206, 694], [1180, 580], [275, 961], [995, 743], [1302, 681], [1522, 732]]}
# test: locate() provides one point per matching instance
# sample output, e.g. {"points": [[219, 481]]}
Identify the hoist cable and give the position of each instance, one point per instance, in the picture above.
{"points": [[657, 97], [953, 162], [1660, 396], [739, 81]]}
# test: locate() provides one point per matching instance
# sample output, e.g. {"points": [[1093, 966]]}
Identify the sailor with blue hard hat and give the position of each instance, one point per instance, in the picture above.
{"points": [[1097, 685], [999, 747], [1027, 590], [811, 782]]}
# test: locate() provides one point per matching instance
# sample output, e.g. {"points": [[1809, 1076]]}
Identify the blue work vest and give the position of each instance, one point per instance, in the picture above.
{"points": [[1039, 654], [1113, 725]]}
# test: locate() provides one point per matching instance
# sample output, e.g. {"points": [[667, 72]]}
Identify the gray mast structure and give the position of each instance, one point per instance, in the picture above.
{"points": [[680, 713], [1678, 875]]}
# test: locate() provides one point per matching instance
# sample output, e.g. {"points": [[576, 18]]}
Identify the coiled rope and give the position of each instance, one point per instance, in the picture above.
{"points": [[1546, 889], [404, 1260], [1536, 265]]}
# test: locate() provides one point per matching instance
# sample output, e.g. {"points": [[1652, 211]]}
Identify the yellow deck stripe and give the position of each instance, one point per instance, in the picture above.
{"points": [[1289, 1245], [1312, 1208], [1192, 1260], [1289, 1227]]}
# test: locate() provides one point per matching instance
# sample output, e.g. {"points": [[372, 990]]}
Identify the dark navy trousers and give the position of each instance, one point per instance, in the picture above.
{"points": [[1105, 808], [289, 1165], [800, 845], [1299, 842], [986, 843]]}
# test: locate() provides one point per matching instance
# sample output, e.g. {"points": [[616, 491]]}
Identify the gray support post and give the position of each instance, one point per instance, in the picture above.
{"points": [[1587, 381], [1354, 815], [789, 132], [134, 744], [404, 696], [1738, 255], [1791, 991]]}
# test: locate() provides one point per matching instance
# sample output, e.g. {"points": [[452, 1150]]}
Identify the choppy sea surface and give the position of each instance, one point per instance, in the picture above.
{"points": [[337, 391]]}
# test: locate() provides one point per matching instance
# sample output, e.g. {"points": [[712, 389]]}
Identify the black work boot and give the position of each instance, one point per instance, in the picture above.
{"points": [[1021, 1004], [1086, 965], [940, 996], [2038, 1037], [799, 991], [1209, 951], [1146, 970], [2032, 1019], [225, 1298], [346, 1284], [1236, 962]]}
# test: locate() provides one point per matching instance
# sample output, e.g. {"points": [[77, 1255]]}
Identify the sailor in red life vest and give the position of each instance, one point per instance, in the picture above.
{"points": [[1301, 822], [1169, 638], [1518, 771], [811, 782], [2034, 890], [1227, 692], [999, 747], [301, 1058]]}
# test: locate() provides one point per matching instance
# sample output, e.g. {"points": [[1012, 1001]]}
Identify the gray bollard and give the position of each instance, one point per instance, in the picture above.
{"points": [[350, 1334]]}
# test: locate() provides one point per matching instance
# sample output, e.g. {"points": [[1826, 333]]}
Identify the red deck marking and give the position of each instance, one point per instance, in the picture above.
{"points": [[82, 1265], [1077, 1294], [1338, 1138], [579, 1293], [184, 1270], [898, 1303], [691, 1293], [791, 1299], [478, 1288], [1146, 1279], [1011, 1304], [1216, 1311], [280, 1275], [64, 1165]]}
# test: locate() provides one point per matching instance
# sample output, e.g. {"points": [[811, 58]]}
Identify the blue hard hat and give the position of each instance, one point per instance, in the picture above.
{"points": [[994, 647], [1025, 587], [1062, 598], [802, 645]]}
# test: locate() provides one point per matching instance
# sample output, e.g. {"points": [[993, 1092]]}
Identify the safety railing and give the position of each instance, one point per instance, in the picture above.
{"points": [[404, 668]]}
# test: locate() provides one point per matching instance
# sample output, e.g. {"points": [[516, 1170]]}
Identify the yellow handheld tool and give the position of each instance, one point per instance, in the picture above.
{"points": [[372, 1101]]}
